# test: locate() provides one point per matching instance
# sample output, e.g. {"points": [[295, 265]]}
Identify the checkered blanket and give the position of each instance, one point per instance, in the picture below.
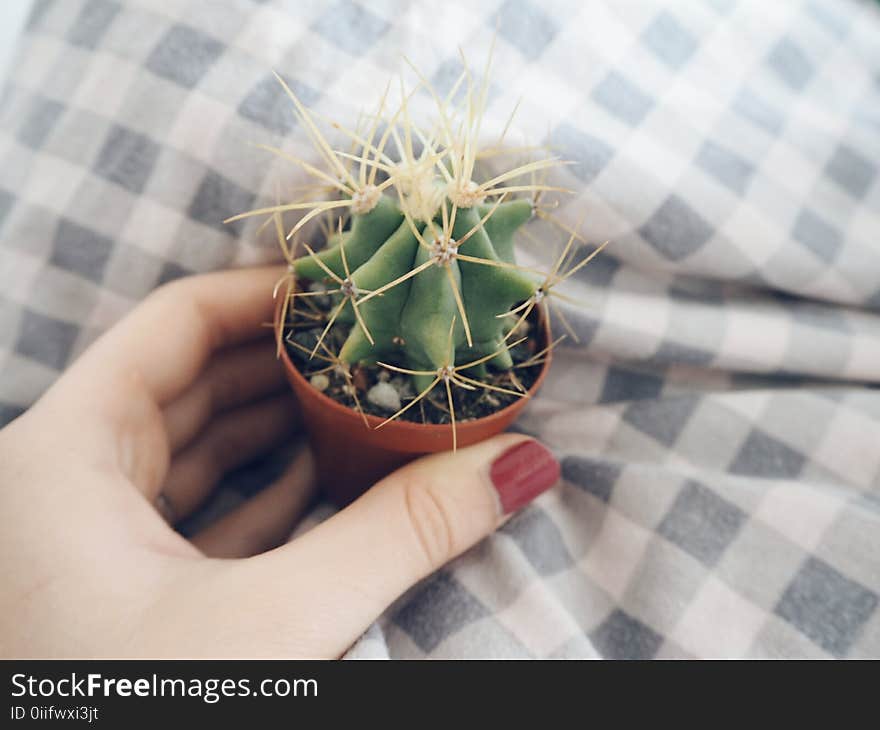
{"points": [[719, 422]]}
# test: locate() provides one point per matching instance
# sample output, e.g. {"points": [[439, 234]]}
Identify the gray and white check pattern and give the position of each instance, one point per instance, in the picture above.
{"points": [[719, 422]]}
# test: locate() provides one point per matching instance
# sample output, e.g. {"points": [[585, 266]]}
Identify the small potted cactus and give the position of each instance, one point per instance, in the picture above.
{"points": [[413, 329]]}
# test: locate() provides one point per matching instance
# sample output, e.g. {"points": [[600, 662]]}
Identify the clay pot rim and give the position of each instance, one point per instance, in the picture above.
{"points": [[403, 427]]}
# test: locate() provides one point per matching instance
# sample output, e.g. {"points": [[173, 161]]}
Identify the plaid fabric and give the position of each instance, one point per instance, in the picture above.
{"points": [[719, 422]]}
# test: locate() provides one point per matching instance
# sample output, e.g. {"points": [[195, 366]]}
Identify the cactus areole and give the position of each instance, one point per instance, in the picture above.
{"points": [[414, 294], [417, 287]]}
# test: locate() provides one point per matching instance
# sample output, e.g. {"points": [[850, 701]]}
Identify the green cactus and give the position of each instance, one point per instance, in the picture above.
{"points": [[410, 321], [423, 279]]}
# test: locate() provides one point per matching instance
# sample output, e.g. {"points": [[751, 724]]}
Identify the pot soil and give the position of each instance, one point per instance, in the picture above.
{"points": [[351, 455]]}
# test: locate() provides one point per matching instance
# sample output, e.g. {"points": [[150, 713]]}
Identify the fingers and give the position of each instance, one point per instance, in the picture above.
{"points": [[165, 341], [414, 521], [266, 520], [231, 441], [236, 378], [107, 407]]}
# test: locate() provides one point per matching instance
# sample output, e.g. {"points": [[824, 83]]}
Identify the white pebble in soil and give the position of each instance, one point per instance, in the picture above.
{"points": [[522, 329], [315, 288], [402, 386], [320, 382], [384, 395]]}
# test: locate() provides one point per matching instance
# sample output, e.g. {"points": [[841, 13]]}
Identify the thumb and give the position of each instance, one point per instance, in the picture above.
{"points": [[410, 524]]}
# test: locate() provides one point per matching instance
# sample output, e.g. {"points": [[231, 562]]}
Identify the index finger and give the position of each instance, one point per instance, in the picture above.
{"points": [[165, 342]]}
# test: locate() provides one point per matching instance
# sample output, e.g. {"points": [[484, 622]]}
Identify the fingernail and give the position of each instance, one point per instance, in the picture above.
{"points": [[522, 473]]}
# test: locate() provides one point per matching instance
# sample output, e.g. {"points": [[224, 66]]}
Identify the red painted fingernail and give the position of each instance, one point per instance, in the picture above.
{"points": [[522, 473]]}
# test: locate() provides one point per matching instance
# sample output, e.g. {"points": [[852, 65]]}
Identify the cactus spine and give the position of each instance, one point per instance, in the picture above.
{"points": [[424, 278]]}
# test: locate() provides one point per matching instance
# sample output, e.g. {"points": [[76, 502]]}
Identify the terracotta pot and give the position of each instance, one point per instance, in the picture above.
{"points": [[351, 457]]}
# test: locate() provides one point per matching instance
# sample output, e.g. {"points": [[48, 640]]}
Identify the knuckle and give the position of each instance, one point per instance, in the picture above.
{"points": [[430, 520], [178, 298], [169, 293]]}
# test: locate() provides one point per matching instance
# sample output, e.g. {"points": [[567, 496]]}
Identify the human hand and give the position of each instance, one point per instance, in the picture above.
{"points": [[183, 389]]}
